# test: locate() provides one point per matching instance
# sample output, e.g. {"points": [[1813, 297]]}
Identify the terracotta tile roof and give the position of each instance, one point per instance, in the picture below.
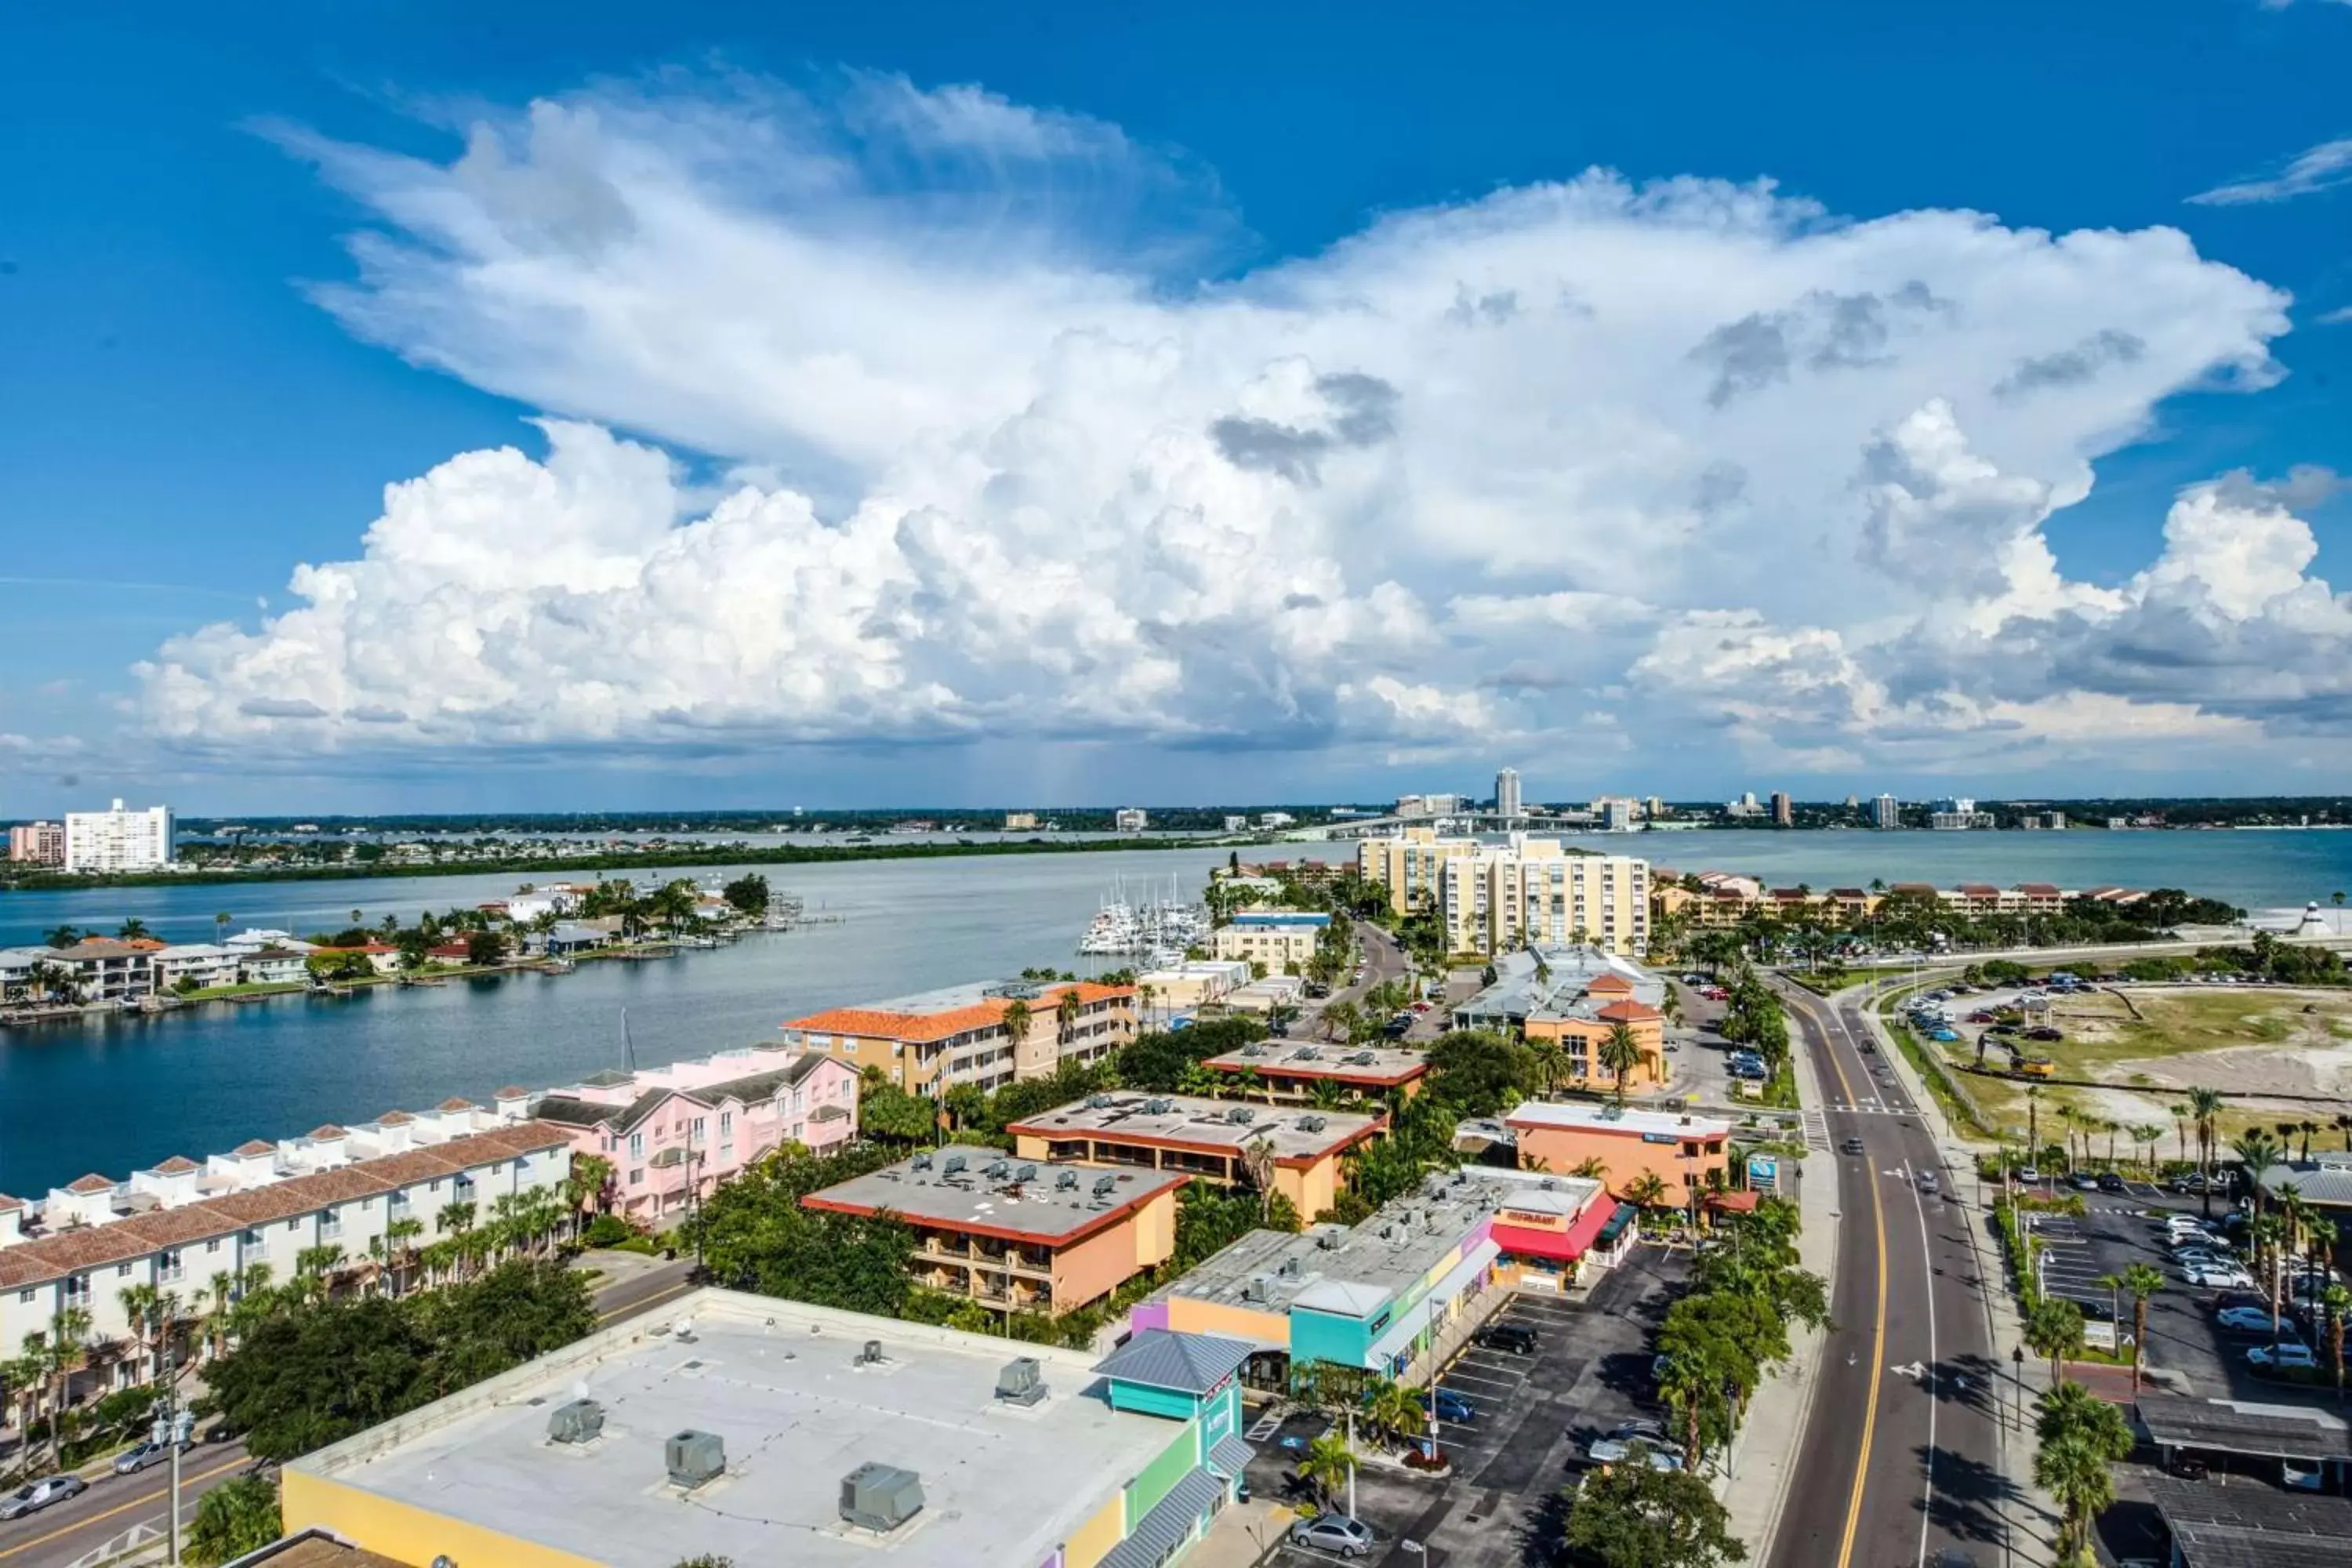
{"points": [[1611, 985], [511, 1092], [1628, 1013], [324, 1131], [253, 1146], [394, 1119], [96, 1246], [883, 1024], [177, 1165], [9, 1204], [92, 1185], [454, 1103]]}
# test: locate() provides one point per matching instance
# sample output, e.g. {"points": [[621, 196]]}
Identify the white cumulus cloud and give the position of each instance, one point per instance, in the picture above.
{"points": [[906, 416]]}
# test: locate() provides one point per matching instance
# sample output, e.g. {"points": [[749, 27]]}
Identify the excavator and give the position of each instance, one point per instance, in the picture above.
{"points": [[2022, 1063]]}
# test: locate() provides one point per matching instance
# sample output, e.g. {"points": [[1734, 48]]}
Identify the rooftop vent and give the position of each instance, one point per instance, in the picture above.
{"points": [[1241, 1116], [1021, 1382], [582, 1421], [880, 1497], [695, 1458], [871, 1353], [1103, 1185], [1065, 1181], [951, 1165], [922, 1161]]}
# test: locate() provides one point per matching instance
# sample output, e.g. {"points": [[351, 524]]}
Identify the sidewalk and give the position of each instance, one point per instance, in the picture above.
{"points": [[2031, 1516], [1763, 1460]]}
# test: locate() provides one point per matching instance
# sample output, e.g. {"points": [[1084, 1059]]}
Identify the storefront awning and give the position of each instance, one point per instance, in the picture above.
{"points": [[1407, 1328]]}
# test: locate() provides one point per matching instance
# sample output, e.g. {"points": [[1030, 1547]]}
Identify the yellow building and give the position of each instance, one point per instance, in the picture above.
{"points": [[1407, 864], [1283, 940], [1534, 892]]}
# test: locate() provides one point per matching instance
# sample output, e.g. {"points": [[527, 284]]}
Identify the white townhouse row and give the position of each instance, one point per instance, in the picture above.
{"points": [[177, 1224]]}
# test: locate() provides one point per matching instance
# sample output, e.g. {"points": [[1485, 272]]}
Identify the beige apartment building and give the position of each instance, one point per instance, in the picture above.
{"points": [[1407, 863], [1534, 892]]}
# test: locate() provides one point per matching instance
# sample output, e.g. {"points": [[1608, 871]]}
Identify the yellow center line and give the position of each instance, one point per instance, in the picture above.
{"points": [[154, 1497], [1878, 1332], [680, 1288]]}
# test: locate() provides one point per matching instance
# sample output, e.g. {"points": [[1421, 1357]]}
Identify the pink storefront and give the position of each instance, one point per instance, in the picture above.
{"points": [[671, 1131]]}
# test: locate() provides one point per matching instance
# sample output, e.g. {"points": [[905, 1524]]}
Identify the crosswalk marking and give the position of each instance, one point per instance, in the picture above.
{"points": [[1871, 1108], [1817, 1131]]}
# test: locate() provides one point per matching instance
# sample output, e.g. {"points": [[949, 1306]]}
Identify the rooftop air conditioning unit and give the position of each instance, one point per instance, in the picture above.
{"points": [[951, 1165], [1256, 1289], [1312, 1123], [997, 1170], [1363, 1058], [1328, 1240], [1065, 1181], [922, 1161], [582, 1421], [1104, 1186], [880, 1497], [1157, 1108], [1289, 1268], [695, 1458], [1021, 1382], [1024, 1172], [1241, 1116], [1098, 1102]]}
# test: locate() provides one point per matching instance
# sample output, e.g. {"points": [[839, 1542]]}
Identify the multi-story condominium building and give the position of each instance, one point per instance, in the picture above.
{"points": [[1958, 814], [1279, 939], [1407, 864], [1724, 901], [37, 844], [1507, 793], [120, 841], [1784, 813], [105, 970], [1023, 1235], [965, 1035], [179, 1224], [197, 964], [673, 1133], [1214, 1140], [1294, 1071], [1885, 813], [1235, 823], [1020, 822], [1131, 819], [1428, 805], [1531, 891]]}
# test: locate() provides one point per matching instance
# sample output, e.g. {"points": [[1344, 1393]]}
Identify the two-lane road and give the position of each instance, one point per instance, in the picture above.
{"points": [[1901, 1454]]}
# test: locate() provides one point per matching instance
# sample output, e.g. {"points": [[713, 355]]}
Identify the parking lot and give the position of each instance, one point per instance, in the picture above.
{"points": [[1533, 1417], [2119, 1230]]}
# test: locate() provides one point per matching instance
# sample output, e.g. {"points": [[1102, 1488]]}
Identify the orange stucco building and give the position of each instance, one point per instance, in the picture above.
{"points": [[1022, 1234], [973, 1034], [1216, 1139], [1581, 1023], [1684, 1152]]}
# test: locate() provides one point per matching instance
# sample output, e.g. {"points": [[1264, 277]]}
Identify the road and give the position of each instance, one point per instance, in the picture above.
{"points": [[68, 1532], [1901, 1457]]}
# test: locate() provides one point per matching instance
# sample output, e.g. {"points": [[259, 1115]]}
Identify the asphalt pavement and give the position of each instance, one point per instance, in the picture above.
{"points": [[1903, 1457], [85, 1527]]}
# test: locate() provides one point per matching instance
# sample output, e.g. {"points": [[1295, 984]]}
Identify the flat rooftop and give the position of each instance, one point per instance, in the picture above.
{"points": [[1203, 1126], [1388, 1253], [1382, 1065], [989, 1192], [777, 1382], [1595, 1117]]}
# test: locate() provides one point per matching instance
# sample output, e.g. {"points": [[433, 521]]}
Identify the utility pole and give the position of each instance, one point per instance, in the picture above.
{"points": [[1351, 1461]]}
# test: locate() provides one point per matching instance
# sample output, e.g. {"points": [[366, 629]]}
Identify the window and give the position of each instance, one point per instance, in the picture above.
{"points": [[637, 1145], [726, 1125], [168, 1266], [76, 1290], [26, 1296], [293, 1224], [637, 1178], [213, 1246], [331, 1224], [253, 1238]]}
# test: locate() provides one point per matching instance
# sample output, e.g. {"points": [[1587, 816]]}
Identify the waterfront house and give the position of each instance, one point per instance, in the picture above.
{"points": [[581, 936], [259, 939], [1020, 1235], [383, 957], [176, 1224], [201, 964], [273, 966], [926, 1044], [105, 970], [673, 1133]]}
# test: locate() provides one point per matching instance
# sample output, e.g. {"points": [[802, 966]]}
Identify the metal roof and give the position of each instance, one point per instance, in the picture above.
{"points": [[1231, 1455], [1165, 1358], [2177, 1421], [1158, 1533], [2255, 1526]]}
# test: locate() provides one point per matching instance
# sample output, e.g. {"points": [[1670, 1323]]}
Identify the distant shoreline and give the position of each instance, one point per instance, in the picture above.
{"points": [[702, 855]]}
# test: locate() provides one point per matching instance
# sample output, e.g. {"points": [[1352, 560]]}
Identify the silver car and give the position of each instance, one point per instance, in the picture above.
{"points": [[40, 1494], [1335, 1532]]}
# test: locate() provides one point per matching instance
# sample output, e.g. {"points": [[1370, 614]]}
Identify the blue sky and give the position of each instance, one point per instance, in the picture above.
{"points": [[186, 418]]}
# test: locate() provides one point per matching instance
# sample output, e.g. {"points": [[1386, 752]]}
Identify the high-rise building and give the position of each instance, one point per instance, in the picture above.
{"points": [[120, 841], [1885, 813], [37, 844], [1533, 892], [1783, 812], [1406, 863], [1507, 793], [1129, 819]]}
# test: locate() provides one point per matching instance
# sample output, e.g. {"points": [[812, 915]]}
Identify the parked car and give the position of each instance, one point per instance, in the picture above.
{"points": [[1333, 1532], [40, 1494], [2244, 1319], [2044, 1032], [131, 1462], [2111, 1182], [2287, 1353], [1516, 1338], [2209, 1276], [1662, 1454], [2084, 1181], [2187, 1468], [2029, 1172], [1450, 1406]]}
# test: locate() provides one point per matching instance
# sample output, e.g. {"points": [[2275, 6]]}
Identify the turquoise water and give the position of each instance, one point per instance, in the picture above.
{"points": [[109, 1095]]}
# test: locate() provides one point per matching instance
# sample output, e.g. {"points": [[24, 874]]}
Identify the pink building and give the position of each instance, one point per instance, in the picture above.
{"points": [[667, 1131], [37, 844]]}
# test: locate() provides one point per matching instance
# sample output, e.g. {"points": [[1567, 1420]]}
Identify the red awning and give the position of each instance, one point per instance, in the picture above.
{"points": [[1566, 1245]]}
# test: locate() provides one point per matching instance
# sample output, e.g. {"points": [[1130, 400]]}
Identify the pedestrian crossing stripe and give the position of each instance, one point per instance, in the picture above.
{"points": [[1876, 1109]]}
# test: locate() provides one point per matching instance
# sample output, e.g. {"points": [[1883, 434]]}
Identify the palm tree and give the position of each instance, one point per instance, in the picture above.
{"points": [[62, 937], [2305, 1128], [2257, 1151], [1328, 1465], [221, 923], [2053, 1328], [2068, 1115], [2141, 1281], [142, 1307], [399, 1244], [2342, 1122], [1068, 1010], [1620, 1053], [2180, 1132], [1396, 1410], [591, 1179], [1646, 1189], [2072, 1465], [2263, 1235], [457, 1222], [2034, 1124], [2113, 1284], [1551, 1057], [2150, 1134], [2205, 1110], [65, 1354], [132, 929]]}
